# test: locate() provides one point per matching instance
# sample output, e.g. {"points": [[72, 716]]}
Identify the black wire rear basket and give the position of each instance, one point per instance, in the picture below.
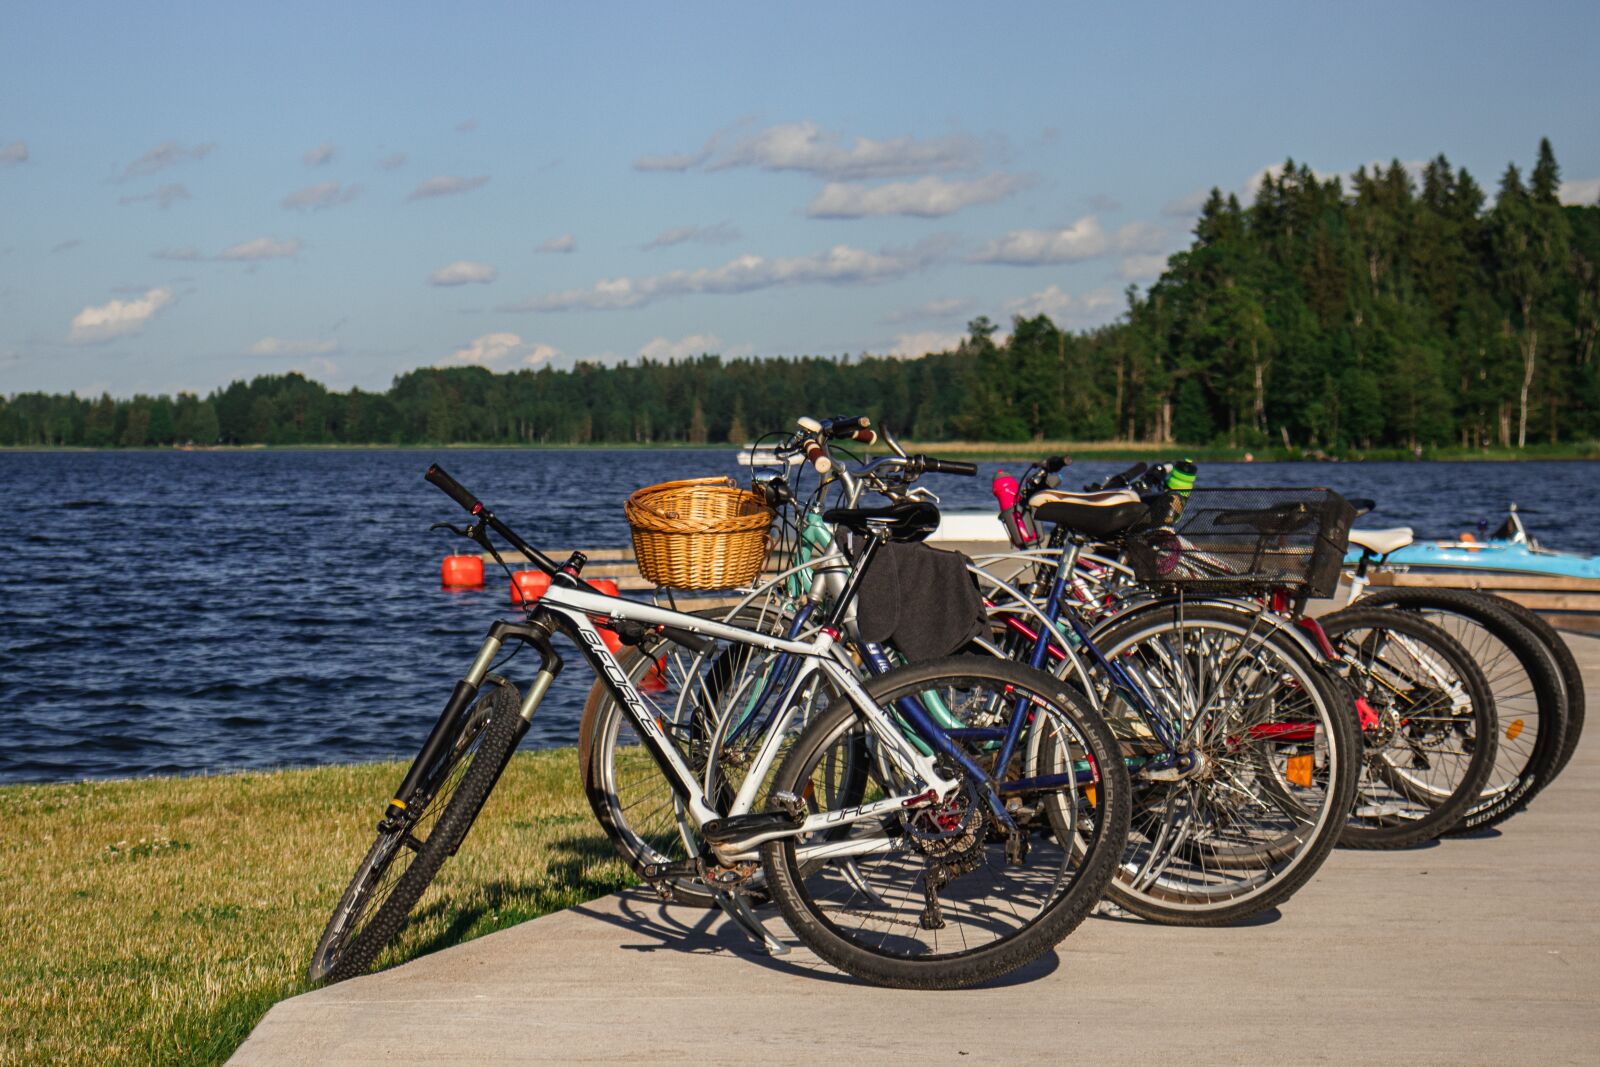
{"points": [[1239, 541]]}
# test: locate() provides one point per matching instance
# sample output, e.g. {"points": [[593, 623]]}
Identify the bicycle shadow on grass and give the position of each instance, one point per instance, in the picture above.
{"points": [[706, 931]]}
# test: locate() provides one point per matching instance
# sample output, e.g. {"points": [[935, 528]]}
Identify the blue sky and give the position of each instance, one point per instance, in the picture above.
{"points": [[195, 193]]}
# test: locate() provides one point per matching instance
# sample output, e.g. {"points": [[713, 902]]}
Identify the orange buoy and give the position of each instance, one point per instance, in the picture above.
{"points": [[528, 584], [607, 586], [461, 571]]}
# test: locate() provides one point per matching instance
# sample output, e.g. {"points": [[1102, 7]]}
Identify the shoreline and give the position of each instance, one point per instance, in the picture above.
{"points": [[986, 450]]}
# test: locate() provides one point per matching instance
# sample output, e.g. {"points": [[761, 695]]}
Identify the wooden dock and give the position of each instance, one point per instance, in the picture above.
{"points": [[1566, 603]]}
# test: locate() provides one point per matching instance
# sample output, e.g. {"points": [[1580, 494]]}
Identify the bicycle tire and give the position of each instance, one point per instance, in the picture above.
{"points": [[1526, 688], [1425, 759], [348, 948], [908, 953], [1197, 855], [1567, 670]]}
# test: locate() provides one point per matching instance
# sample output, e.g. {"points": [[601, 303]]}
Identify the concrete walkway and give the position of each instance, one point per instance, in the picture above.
{"points": [[1482, 950]]}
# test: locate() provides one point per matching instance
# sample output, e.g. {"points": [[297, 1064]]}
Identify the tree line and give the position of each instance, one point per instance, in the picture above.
{"points": [[1401, 312]]}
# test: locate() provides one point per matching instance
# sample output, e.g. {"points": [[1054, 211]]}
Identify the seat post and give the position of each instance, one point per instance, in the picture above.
{"points": [[858, 571]]}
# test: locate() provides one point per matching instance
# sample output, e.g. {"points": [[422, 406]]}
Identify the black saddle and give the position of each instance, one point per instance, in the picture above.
{"points": [[1094, 514], [910, 520]]}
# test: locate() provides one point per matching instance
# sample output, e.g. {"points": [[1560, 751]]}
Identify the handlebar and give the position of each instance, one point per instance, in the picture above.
{"points": [[843, 426], [946, 466], [458, 492], [453, 489]]}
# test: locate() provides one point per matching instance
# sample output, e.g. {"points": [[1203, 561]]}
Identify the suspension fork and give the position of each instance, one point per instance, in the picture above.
{"points": [[453, 718]]}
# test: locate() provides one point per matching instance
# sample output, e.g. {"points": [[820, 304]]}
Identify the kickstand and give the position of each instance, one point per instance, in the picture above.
{"points": [[737, 907]]}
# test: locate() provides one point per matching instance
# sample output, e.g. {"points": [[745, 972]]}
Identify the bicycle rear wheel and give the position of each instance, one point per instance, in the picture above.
{"points": [[1273, 762], [1428, 726], [403, 860], [942, 897], [1528, 699], [1567, 672]]}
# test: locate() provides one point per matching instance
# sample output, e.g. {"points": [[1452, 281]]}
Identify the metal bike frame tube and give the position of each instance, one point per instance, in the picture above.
{"points": [[574, 607]]}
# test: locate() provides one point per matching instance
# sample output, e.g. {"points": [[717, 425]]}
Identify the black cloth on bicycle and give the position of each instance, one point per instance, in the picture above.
{"points": [[920, 598]]}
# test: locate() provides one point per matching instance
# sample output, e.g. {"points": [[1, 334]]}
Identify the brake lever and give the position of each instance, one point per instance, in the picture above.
{"points": [[474, 533]]}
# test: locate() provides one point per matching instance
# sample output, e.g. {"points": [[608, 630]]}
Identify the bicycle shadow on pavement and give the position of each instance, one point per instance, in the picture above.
{"points": [[685, 928]]}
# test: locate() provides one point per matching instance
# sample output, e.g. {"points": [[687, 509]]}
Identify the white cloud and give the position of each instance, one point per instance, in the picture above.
{"points": [[164, 155], [163, 197], [446, 185], [912, 345], [559, 245], [259, 249], [94, 325], [1066, 308], [494, 348], [14, 153], [929, 197], [933, 309], [463, 272], [321, 196], [320, 155], [809, 149], [720, 233], [278, 346], [662, 350], [839, 265], [1584, 192], [1084, 239], [394, 161], [540, 353]]}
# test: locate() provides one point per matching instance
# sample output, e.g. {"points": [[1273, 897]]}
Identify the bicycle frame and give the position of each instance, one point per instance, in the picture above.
{"points": [[574, 607]]}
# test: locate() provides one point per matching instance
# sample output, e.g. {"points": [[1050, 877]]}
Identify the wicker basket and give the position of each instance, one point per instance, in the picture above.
{"points": [[703, 533]]}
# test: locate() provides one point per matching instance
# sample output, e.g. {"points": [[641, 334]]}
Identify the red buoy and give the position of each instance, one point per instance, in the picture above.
{"points": [[528, 584], [461, 571]]}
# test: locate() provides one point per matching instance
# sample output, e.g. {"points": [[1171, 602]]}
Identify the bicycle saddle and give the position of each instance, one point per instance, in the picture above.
{"points": [[910, 520], [1381, 542], [1096, 514]]}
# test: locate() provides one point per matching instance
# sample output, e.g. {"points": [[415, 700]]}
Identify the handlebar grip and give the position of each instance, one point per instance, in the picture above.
{"points": [[948, 466], [842, 426], [817, 455], [452, 488], [866, 437], [1055, 463]]}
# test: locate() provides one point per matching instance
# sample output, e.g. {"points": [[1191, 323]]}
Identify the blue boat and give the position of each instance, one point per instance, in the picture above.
{"points": [[1508, 549]]}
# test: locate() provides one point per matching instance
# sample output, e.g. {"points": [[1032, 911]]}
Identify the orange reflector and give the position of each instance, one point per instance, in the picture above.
{"points": [[1089, 792], [1298, 770], [1514, 729]]}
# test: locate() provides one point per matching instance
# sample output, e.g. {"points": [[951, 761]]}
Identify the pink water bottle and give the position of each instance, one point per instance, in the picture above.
{"points": [[1005, 489]]}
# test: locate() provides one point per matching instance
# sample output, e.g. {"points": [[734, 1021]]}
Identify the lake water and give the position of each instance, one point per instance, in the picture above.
{"points": [[165, 613]]}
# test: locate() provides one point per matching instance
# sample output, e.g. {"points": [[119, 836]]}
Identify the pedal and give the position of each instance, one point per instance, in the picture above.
{"points": [[656, 872]]}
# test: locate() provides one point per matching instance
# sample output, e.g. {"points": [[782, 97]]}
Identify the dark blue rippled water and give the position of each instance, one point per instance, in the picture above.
{"points": [[177, 612]]}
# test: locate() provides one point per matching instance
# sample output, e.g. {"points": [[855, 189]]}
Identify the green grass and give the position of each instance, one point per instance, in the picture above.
{"points": [[156, 920]]}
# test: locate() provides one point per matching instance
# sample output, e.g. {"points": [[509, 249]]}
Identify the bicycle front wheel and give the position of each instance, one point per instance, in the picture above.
{"points": [[403, 860], [941, 896]]}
